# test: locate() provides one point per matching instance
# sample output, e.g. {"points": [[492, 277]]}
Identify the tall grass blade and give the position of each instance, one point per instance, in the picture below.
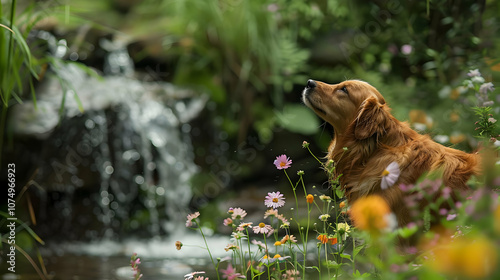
{"points": [[27, 256]]}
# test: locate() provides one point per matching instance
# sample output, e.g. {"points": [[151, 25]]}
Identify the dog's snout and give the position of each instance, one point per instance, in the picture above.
{"points": [[311, 84]]}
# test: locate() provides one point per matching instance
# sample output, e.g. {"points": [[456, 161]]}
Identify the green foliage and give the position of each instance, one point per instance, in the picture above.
{"points": [[298, 118], [486, 124], [260, 53], [20, 67]]}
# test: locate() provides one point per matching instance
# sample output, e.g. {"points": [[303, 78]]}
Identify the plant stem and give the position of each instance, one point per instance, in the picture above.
{"points": [[208, 249], [268, 257], [307, 235], [353, 256], [249, 254]]}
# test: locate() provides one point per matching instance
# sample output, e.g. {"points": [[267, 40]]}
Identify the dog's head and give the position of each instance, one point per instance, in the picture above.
{"points": [[349, 105]]}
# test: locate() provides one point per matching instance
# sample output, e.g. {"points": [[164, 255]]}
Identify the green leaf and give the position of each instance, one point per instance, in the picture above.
{"points": [[345, 256], [333, 264], [256, 272], [78, 101], [427, 219], [33, 95], [340, 193], [356, 250], [358, 274], [407, 232], [24, 49], [298, 118]]}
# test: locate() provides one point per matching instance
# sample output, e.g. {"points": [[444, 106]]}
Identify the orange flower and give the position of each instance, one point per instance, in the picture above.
{"points": [[178, 245], [342, 204], [290, 238], [310, 198], [369, 213], [323, 238]]}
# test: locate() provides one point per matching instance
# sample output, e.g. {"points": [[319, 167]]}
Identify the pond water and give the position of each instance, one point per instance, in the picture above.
{"points": [[111, 259]]}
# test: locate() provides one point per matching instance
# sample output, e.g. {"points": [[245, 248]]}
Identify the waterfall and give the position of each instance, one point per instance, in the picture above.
{"points": [[129, 152]]}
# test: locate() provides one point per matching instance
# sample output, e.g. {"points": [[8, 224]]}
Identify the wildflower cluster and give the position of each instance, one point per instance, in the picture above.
{"points": [[192, 276], [276, 247], [266, 247], [362, 239], [486, 125], [429, 201]]}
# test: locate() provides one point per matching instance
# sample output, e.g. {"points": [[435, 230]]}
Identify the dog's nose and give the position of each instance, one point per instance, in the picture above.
{"points": [[311, 84]]}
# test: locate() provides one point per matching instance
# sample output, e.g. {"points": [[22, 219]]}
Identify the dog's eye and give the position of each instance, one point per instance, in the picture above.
{"points": [[344, 89]]}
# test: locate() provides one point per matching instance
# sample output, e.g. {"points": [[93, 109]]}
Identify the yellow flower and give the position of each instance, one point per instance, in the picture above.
{"points": [[343, 229], [473, 257], [370, 213], [310, 198], [277, 243]]}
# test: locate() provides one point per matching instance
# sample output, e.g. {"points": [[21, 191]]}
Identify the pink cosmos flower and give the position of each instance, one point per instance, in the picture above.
{"points": [[263, 228], [390, 175], [191, 275], [228, 222], [282, 162], [190, 218], [238, 213], [230, 273], [271, 212], [259, 243], [274, 200], [283, 220], [243, 226], [237, 235]]}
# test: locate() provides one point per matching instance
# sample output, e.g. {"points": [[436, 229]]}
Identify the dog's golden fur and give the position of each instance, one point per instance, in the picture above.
{"points": [[362, 122]]}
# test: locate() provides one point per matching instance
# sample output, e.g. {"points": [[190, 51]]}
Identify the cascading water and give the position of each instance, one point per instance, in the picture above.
{"points": [[111, 167], [129, 148]]}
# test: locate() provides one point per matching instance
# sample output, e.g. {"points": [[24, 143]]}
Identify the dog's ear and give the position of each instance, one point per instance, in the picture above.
{"points": [[373, 118]]}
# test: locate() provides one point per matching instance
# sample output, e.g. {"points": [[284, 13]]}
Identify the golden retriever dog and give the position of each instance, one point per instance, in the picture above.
{"points": [[363, 123]]}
